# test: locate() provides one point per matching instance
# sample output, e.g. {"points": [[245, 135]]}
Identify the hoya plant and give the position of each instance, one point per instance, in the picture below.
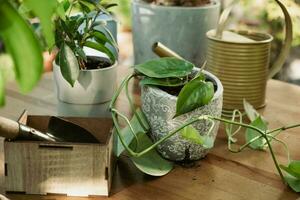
{"points": [[74, 32], [195, 92]]}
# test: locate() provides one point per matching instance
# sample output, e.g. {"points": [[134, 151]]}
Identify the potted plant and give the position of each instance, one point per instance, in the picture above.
{"points": [[179, 24], [196, 110], [83, 75]]}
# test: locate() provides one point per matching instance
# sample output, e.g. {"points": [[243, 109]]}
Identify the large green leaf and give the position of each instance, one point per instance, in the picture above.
{"points": [[44, 10], [250, 133], [22, 45], [102, 48], [150, 163], [127, 134], [68, 64], [167, 82], [165, 68], [193, 95]]}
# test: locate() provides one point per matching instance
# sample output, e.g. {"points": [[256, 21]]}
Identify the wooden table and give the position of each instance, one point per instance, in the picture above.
{"points": [[221, 175]]}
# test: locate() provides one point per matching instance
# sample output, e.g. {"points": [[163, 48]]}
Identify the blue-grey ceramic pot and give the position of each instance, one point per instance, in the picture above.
{"points": [[159, 108], [182, 29]]}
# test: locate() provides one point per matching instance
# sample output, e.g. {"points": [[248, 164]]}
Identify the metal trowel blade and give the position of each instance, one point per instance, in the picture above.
{"points": [[67, 131]]}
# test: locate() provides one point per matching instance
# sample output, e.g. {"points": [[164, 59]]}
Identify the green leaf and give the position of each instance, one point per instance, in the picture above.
{"points": [[191, 134], [68, 64], [167, 82], [165, 68], [250, 133], [79, 51], [127, 134], [60, 10], [44, 10], [293, 168], [290, 171], [150, 163], [22, 45], [102, 39], [102, 48], [250, 111], [208, 142], [293, 182], [194, 94]]}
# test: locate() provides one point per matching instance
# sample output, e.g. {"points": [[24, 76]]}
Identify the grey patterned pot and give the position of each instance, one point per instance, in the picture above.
{"points": [[159, 108], [182, 29]]}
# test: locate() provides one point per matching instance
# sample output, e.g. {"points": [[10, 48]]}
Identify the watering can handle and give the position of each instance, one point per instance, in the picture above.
{"points": [[287, 41]]}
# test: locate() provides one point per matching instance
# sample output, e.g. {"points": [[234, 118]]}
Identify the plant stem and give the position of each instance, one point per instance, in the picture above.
{"points": [[283, 128]]}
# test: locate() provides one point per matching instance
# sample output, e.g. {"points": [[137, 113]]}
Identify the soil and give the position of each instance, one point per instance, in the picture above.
{"points": [[184, 3], [176, 90], [94, 62]]}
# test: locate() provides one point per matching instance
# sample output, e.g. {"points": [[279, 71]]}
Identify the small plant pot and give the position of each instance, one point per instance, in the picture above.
{"points": [[182, 29], [92, 87], [159, 108]]}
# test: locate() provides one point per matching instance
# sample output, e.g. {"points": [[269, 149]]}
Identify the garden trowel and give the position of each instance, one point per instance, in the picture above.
{"points": [[59, 130]]}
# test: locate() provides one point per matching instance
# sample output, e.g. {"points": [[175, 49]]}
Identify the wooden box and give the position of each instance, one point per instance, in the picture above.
{"points": [[73, 169]]}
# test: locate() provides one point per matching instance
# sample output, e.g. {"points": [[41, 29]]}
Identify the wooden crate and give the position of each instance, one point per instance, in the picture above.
{"points": [[80, 169]]}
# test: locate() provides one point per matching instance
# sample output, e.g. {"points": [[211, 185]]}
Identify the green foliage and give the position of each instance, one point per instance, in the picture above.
{"points": [[292, 174], [21, 43], [167, 82], [194, 94], [165, 68], [190, 133], [68, 64], [251, 134], [67, 32], [150, 163]]}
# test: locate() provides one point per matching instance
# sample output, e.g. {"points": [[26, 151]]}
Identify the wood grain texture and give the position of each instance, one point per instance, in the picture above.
{"points": [[221, 175]]}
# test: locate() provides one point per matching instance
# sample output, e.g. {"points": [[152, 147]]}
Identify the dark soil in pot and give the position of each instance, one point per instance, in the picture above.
{"points": [[184, 3], [94, 62]]}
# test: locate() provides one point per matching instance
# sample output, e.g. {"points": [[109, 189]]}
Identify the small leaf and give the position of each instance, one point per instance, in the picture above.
{"points": [[150, 163], [293, 168], [44, 10], [208, 142], [191, 134], [194, 94], [60, 10], [250, 133], [79, 51], [22, 45], [167, 82], [165, 68], [102, 48], [68, 64], [293, 182], [127, 134], [250, 111]]}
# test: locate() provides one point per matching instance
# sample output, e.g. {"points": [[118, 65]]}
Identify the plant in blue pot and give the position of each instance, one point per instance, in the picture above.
{"points": [[85, 66], [179, 24]]}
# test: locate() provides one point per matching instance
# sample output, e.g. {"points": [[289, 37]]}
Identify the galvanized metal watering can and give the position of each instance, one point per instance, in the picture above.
{"points": [[240, 59]]}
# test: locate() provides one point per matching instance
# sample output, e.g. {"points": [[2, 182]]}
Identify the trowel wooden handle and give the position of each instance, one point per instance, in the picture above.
{"points": [[9, 128], [163, 51]]}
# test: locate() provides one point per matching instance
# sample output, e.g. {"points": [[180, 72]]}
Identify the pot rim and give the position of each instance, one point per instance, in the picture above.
{"points": [[268, 39], [94, 70], [214, 79], [213, 4]]}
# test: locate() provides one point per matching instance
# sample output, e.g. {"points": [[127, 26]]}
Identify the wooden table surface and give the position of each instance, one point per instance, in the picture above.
{"points": [[221, 175]]}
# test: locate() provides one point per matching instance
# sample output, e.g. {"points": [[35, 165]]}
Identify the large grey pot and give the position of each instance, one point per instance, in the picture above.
{"points": [[159, 108], [182, 29]]}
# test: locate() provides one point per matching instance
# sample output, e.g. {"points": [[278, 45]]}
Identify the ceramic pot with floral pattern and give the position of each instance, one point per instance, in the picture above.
{"points": [[159, 108]]}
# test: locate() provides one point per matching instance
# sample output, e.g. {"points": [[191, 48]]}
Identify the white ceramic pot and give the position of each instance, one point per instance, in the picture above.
{"points": [[159, 108], [92, 87]]}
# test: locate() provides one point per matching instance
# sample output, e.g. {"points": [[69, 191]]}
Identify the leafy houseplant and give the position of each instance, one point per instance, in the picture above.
{"points": [[77, 72], [195, 92], [22, 48], [183, 28]]}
